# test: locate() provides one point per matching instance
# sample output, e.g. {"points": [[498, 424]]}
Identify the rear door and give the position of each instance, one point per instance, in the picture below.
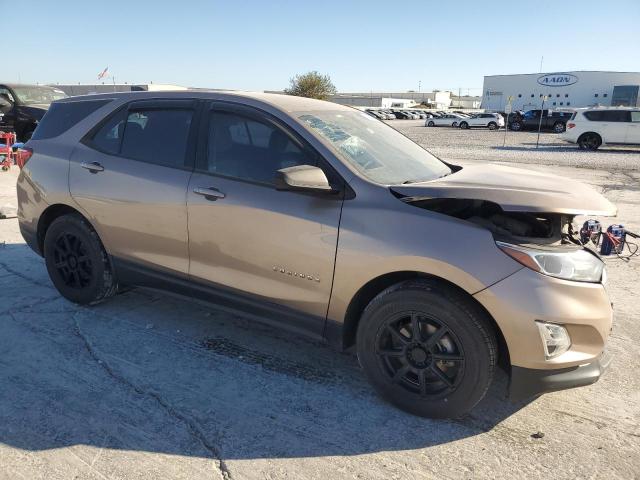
{"points": [[130, 176], [273, 248], [616, 124]]}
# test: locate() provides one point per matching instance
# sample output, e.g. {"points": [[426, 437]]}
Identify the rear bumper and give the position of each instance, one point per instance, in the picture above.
{"points": [[30, 237], [529, 382]]}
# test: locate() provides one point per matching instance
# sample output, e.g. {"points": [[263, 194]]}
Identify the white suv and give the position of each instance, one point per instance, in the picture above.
{"points": [[592, 127], [492, 121]]}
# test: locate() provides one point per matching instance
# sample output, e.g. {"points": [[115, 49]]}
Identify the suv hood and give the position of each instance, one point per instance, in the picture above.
{"points": [[514, 189]]}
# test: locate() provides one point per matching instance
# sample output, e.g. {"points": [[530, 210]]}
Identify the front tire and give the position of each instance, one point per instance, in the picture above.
{"points": [[431, 124], [464, 125], [427, 348], [515, 126], [78, 264]]}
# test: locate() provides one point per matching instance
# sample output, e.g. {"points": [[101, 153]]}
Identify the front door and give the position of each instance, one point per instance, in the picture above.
{"points": [[131, 180], [273, 248]]}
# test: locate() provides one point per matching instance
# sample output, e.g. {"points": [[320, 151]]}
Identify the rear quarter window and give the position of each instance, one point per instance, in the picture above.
{"points": [[62, 116]]}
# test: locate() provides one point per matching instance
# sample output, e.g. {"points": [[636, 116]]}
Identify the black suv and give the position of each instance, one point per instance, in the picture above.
{"points": [[551, 120], [22, 107]]}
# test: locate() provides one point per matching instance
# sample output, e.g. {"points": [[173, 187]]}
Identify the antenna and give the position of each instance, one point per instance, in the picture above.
{"points": [[541, 60]]}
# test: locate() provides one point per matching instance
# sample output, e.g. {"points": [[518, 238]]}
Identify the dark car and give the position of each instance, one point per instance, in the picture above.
{"points": [[551, 120], [401, 115], [22, 107]]}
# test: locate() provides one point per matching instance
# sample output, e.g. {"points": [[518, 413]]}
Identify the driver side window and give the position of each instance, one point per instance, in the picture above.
{"points": [[247, 148], [6, 94]]}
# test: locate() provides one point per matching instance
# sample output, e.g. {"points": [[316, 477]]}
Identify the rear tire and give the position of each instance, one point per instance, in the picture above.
{"points": [[492, 126], [454, 124], [515, 126], [427, 348], [559, 127], [431, 124], [78, 264], [589, 141]]}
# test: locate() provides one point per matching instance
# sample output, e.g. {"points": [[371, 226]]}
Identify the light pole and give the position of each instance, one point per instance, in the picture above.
{"points": [[544, 97]]}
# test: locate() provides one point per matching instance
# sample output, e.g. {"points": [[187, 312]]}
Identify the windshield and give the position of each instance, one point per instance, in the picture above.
{"points": [[379, 152], [34, 95]]}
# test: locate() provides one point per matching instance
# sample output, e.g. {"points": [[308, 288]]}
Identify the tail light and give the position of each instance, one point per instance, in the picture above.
{"points": [[23, 154], [571, 125]]}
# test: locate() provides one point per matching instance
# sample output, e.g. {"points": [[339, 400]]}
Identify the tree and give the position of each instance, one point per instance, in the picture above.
{"points": [[311, 85]]}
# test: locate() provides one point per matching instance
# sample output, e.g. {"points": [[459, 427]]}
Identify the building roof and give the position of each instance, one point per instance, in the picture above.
{"points": [[557, 72]]}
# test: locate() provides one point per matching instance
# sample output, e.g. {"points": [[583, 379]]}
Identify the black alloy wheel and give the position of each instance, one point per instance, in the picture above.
{"points": [[589, 141], [71, 261], [492, 126], [420, 354]]}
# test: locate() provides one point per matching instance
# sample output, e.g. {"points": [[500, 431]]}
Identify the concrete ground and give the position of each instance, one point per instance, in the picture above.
{"points": [[147, 385]]}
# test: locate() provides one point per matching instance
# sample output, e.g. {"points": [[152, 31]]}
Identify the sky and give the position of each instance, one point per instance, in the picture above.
{"points": [[362, 45]]}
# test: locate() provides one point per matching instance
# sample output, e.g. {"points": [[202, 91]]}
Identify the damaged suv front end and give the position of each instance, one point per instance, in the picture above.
{"points": [[554, 312]]}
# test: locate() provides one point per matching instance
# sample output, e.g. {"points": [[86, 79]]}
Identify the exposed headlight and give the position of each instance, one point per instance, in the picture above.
{"points": [[555, 339], [578, 265]]}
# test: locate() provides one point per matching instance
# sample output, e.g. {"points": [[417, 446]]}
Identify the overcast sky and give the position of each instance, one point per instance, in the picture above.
{"points": [[362, 45]]}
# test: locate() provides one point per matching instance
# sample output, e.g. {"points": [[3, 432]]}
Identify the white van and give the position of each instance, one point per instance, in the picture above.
{"points": [[592, 127]]}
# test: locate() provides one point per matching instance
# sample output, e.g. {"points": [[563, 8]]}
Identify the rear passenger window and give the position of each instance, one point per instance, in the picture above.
{"points": [[157, 136], [608, 116], [62, 116], [249, 149]]}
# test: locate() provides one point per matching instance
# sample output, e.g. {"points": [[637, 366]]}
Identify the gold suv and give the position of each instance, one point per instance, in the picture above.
{"points": [[326, 221]]}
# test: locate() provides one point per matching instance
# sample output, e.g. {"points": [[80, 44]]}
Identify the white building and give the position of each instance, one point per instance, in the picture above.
{"points": [[563, 90], [440, 100], [466, 101]]}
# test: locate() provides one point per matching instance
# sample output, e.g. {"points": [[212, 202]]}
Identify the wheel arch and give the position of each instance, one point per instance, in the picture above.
{"points": [[590, 132], [48, 216], [372, 288]]}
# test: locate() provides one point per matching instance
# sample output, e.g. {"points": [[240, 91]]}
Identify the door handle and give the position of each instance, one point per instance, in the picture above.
{"points": [[93, 167], [210, 193]]}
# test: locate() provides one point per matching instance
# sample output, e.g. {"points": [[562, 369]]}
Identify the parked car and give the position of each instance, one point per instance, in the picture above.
{"points": [[446, 120], [313, 216], [376, 114], [386, 114], [22, 107], [492, 121], [402, 115], [420, 114], [551, 120], [592, 127]]}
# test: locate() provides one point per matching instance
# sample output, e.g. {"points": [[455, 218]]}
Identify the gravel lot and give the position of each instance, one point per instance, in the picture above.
{"points": [[152, 386]]}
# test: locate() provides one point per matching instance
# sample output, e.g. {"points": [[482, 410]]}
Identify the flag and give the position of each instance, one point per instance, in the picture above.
{"points": [[103, 73]]}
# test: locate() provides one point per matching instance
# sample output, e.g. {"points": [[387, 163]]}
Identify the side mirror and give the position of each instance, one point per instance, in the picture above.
{"points": [[4, 102], [303, 178]]}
